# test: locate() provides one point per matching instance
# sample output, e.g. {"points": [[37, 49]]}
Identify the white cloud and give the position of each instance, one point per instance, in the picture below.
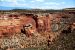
{"points": [[41, 4], [40, 0], [37, 1], [32, 1], [63, 2], [44, 7], [52, 3], [8, 0], [13, 3]]}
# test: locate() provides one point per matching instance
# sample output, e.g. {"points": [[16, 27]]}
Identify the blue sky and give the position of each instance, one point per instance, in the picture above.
{"points": [[41, 4]]}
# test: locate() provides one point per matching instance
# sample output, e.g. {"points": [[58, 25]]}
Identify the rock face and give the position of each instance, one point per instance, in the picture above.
{"points": [[30, 23], [46, 23], [10, 25]]}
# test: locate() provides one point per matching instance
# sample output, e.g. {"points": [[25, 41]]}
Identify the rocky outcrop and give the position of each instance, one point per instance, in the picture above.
{"points": [[15, 25]]}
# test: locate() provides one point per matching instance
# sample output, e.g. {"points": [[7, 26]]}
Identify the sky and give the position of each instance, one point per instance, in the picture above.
{"points": [[38, 4]]}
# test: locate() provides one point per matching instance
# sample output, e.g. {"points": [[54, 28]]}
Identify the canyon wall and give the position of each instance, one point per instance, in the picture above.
{"points": [[30, 23]]}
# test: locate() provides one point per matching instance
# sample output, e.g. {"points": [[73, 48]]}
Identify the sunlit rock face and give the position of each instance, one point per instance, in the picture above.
{"points": [[48, 22], [28, 23], [43, 23], [11, 24]]}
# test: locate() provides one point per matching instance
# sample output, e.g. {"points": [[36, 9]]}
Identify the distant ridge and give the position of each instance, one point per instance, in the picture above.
{"points": [[69, 9]]}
